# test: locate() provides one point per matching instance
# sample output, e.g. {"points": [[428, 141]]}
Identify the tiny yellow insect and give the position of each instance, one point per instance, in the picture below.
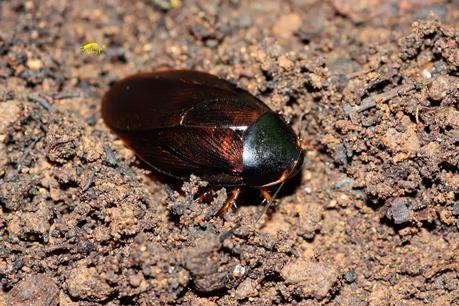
{"points": [[176, 3], [92, 49], [167, 4]]}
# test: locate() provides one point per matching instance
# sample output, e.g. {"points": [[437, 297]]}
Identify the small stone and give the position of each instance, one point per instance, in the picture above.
{"points": [[246, 289], [135, 280], [285, 62], [426, 73], [109, 155], [211, 43], [239, 271], [398, 210], [350, 276], [86, 283], [91, 120], [123, 222], [312, 278], [35, 290], [406, 142], [315, 80], [332, 204], [439, 88], [447, 217], [30, 225], [34, 64]]}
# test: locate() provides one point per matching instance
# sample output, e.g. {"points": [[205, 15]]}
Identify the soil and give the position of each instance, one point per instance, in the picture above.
{"points": [[372, 86]]}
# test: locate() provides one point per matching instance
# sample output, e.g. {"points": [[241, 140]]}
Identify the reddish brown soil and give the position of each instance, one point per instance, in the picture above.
{"points": [[373, 219]]}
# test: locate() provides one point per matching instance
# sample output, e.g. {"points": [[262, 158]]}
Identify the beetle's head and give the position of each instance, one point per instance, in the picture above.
{"points": [[271, 152]]}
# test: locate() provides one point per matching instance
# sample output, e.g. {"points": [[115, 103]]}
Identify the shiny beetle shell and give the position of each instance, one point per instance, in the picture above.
{"points": [[185, 122]]}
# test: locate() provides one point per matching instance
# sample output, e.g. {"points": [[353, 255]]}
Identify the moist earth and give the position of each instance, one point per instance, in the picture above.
{"points": [[371, 86]]}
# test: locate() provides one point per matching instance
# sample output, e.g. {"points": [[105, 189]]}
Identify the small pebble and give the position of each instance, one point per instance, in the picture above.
{"points": [[109, 155], [34, 64], [398, 211], [239, 271], [135, 280], [439, 88], [34, 290], [91, 120], [350, 276]]}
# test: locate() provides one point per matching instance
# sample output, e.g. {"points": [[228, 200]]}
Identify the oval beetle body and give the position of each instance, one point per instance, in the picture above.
{"points": [[184, 122]]}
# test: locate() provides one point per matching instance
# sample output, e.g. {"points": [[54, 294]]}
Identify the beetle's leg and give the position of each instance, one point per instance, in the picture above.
{"points": [[203, 196], [234, 194], [266, 195], [303, 143], [306, 145]]}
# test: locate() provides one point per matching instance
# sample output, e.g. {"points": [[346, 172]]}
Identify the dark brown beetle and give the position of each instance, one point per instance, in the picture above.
{"points": [[187, 122]]}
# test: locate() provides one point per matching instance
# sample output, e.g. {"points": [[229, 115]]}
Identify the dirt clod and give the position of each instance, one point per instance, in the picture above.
{"points": [[35, 290], [440, 88], [210, 270], [372, 87], [86, 283], [309, 278], [398, 210]]}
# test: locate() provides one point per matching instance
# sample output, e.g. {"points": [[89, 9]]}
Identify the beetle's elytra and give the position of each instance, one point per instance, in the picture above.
{"points": [[185, 122]]}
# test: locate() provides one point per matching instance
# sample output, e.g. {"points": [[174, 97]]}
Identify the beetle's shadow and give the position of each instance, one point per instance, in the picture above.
{"points": [[157, 176], [291, 186], [249, 196]]}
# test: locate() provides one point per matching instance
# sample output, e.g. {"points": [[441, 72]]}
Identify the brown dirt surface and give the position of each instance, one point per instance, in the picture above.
{"points": [[373, 86]]}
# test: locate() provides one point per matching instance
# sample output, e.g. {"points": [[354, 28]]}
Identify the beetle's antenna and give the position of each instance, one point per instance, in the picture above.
{"points": [[300, 124], [269, 203], [300, 132], [274, 196], [230, 232]]}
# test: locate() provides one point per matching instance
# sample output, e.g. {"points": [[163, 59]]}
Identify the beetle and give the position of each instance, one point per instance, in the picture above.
{"points": [[183, 122], [92, 48]]}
